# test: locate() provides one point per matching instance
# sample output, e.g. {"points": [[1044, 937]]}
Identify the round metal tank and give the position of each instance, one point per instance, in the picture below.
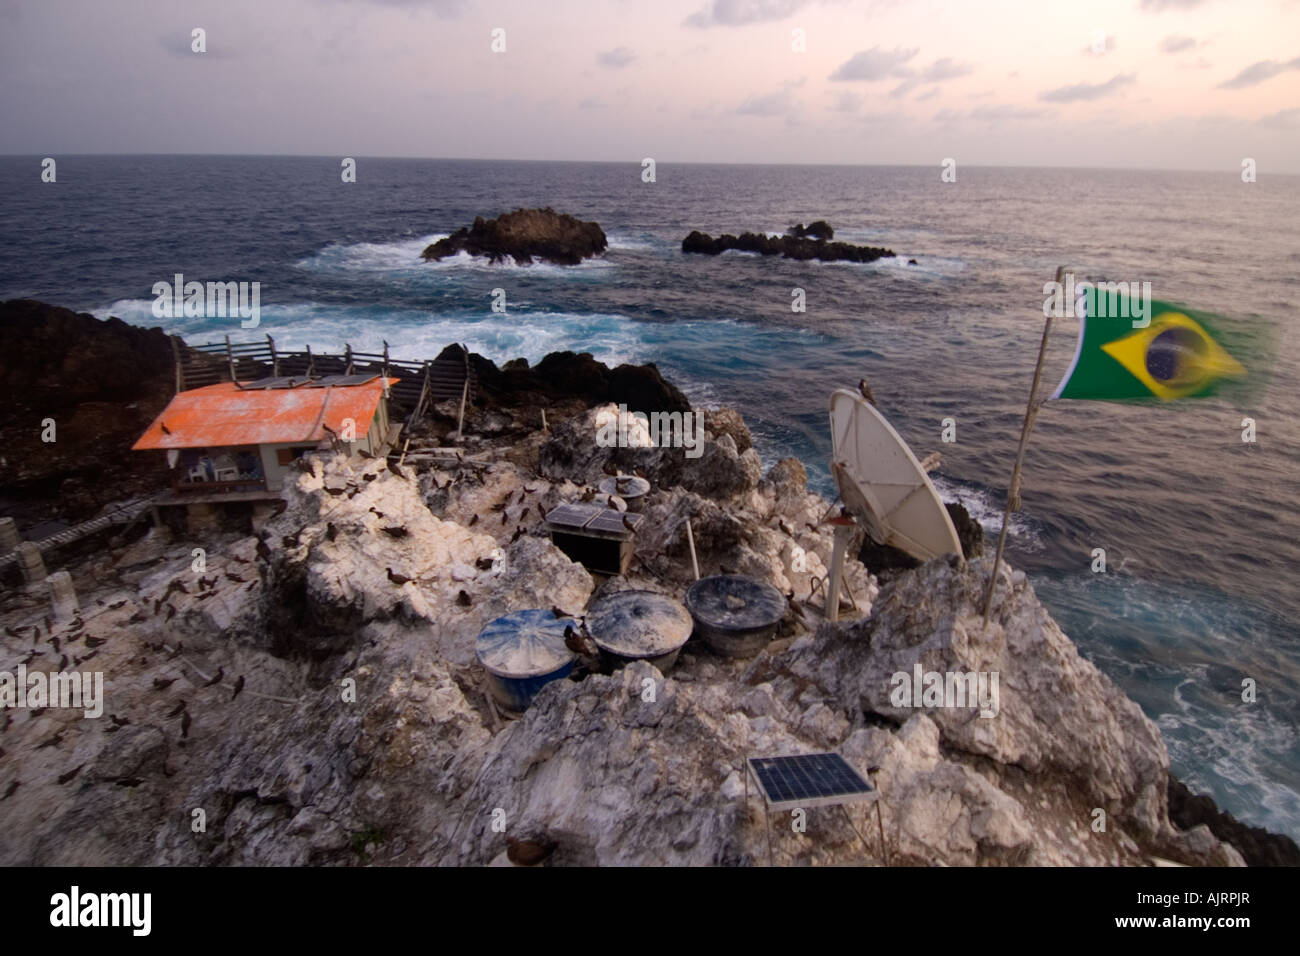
{"points": [[638, 625], [736, 615], [630, 488], [522, 653]]}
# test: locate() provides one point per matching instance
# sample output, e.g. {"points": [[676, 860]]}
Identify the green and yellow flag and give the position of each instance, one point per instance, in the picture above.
{"points": [[1126, 352]]}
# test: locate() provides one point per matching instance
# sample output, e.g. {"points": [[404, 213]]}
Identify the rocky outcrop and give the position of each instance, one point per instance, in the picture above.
{"points": [[314, 692], [813, 243], [1257, 846], [102, 383], [818, 229], [524, 235]]}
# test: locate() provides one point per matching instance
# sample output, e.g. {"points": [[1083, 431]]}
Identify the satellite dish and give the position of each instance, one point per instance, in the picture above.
{"points": [[883, 485]]}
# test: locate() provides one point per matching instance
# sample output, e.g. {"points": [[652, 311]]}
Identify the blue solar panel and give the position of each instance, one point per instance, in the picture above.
{"points": [[808, 779]]}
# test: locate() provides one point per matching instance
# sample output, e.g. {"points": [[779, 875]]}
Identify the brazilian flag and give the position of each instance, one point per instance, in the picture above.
{"points": [[1169, 353]]}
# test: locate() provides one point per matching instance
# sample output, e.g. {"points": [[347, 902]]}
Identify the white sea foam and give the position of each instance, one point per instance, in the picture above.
{"points": [[401, 258]]}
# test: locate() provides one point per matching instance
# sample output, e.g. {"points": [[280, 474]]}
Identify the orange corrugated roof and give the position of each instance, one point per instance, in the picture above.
{"points": [[221, 415]]}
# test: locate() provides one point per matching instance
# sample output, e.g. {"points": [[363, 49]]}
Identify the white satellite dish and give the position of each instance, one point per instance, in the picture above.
{"points": [[883, 485]]}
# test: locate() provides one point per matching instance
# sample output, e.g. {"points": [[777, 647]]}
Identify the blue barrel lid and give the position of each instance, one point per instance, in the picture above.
{"points": [[524, 644], [636, 624]]}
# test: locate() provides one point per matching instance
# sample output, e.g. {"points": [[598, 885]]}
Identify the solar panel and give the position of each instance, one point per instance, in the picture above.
{"points": [[610, 521], [282, 381], [572, 515], [344, 380], [808, 780]]}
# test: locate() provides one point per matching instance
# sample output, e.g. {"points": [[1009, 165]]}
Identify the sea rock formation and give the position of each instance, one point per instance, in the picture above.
{"points": [[819, 229], [811, 242], [523, 235]]}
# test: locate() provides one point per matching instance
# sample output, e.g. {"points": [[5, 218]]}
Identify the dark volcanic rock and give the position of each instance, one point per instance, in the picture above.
{"points": [[525, 234], [789, 246], [572, 375], [821, 229], [969, 531], [1256, 845], [102, 382]]}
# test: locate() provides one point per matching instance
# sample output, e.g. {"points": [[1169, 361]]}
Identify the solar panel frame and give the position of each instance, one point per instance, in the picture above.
{"points": [[572, 515], [344, 381], [787, 781], [610, 521]]}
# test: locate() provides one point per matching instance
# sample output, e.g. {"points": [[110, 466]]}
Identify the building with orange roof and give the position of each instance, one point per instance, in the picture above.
{"points": [[237, 440]]}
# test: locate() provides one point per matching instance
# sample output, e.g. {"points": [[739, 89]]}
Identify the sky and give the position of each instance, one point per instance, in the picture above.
{"points": [[1168, 84]]}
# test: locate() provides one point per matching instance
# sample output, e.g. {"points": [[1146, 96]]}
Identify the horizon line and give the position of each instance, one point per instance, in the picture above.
{"points": [[636, 162]]}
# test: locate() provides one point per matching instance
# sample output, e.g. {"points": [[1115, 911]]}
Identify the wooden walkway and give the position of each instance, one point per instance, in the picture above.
{"points": [[422, 382], [124, 515]]}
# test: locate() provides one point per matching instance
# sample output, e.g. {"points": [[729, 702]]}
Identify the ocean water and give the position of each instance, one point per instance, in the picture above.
{"points": [[1201, 531]]}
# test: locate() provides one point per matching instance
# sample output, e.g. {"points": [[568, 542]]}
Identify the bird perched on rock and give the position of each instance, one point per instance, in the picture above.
{"points": [[239, 685], [162, 683], [95, 641], [65, 777], [610, 469], [398, 579], [519, 533], [331, 533], [53, 741], [177, 710], [263, 552], [528, 852], [186, 720], [9, 790], [484, 564], [472, 521], [579, 643], [395, 531], [216, 678], [865, 389], [463, 599]]}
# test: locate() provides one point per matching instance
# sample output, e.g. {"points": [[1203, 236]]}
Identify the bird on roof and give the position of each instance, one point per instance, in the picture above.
{"points": [[165, 429], [865, 389]]}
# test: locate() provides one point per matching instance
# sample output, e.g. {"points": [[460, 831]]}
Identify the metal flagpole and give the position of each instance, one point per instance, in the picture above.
{"points": [[1013, 492]]}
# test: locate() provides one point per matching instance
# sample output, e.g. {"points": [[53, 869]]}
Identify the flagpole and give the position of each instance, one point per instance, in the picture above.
{"points": [[1013, 492]]}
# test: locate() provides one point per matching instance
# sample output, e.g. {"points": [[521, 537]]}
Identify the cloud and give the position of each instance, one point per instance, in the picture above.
{"points": [[992, 115], [1087, 91], [1259, 72], [929, 94], [902, 89], [1159, 6], [1177, 44], [1284, 119], [616, 58], [945, 68], [592, 104], [739, 13], [847, 102], [770, 104], [1005, 113], [875, 64], [441, 8]]}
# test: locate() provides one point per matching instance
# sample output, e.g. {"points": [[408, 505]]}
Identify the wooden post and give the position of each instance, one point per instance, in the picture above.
{"points": [[176, 354], [230, 361], [690, 541], [1013, 492], [275, 359], [842, 529], [460, 422], [347, 357]]}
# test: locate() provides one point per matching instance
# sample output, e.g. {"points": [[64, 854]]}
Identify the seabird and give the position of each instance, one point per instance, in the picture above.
{"points": [[865, 389]]}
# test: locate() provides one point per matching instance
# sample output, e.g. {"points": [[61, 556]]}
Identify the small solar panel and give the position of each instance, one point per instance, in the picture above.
{"points": [[808, 780], [572, 515], [359, 379], [281, 381], [610, 521]]}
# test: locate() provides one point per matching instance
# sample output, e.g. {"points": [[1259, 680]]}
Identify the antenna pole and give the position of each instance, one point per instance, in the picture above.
{"points": [[1013, 492]]}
